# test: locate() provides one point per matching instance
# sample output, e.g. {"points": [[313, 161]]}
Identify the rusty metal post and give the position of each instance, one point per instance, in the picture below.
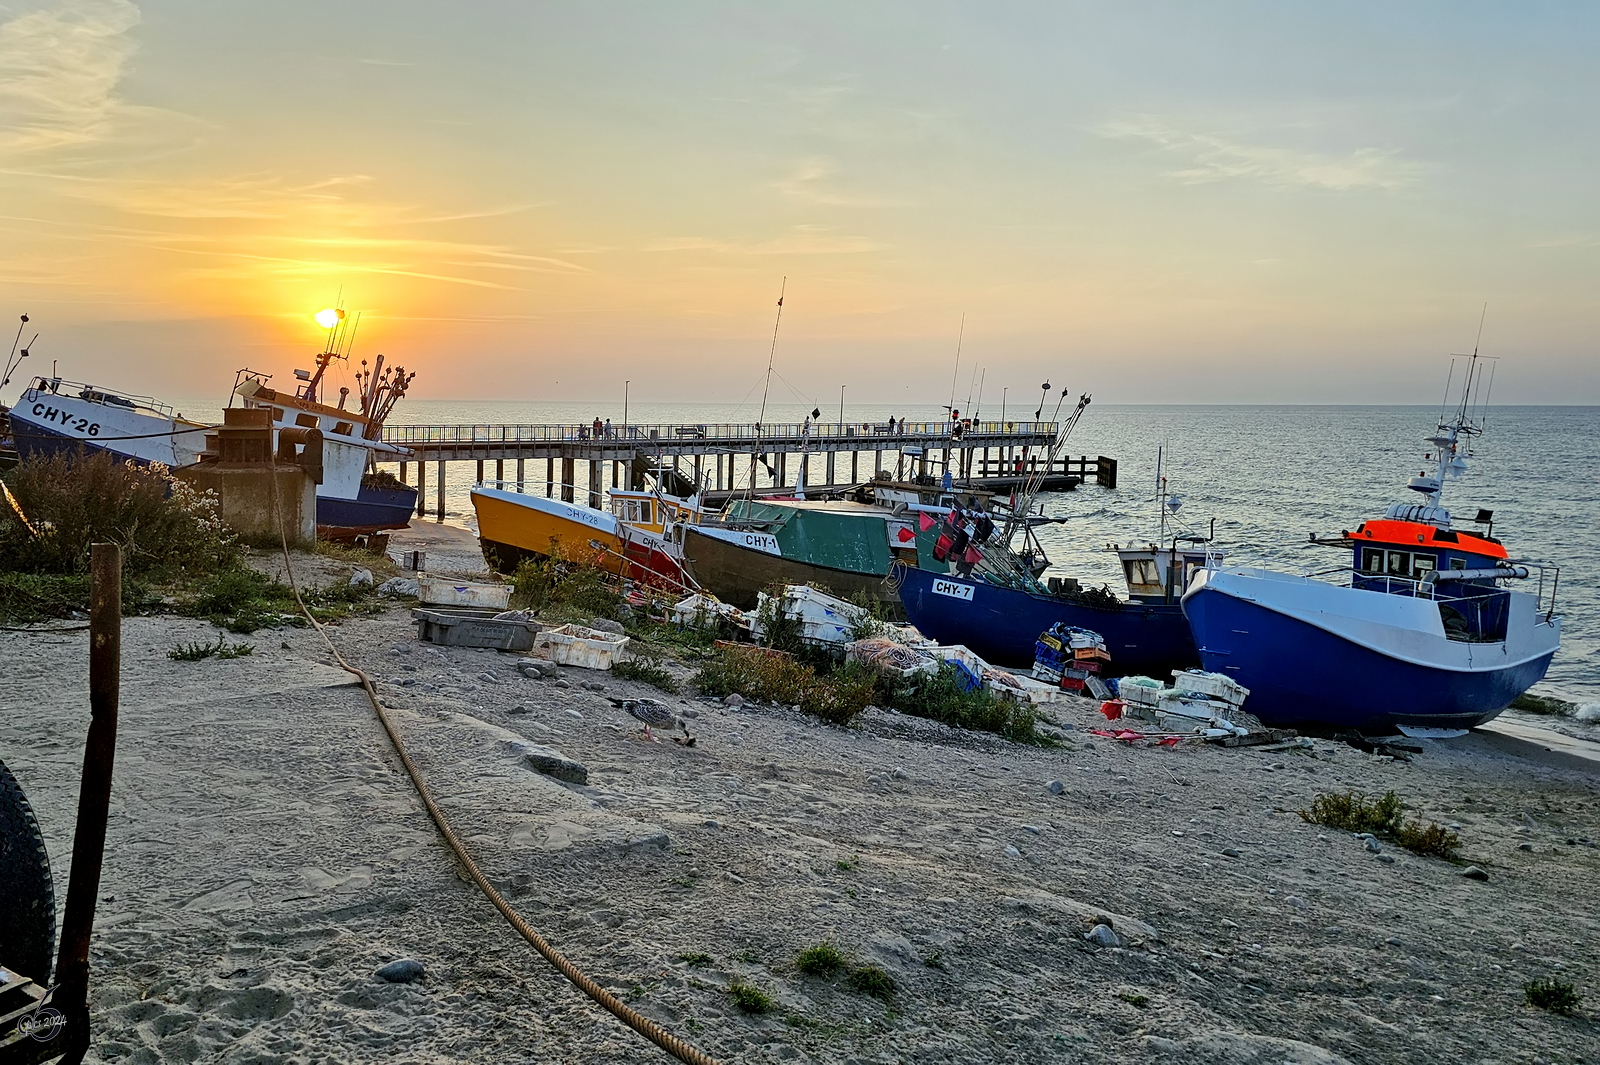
{"points": [[94, 796]]}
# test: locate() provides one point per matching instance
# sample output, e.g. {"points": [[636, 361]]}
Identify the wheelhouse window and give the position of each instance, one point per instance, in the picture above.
{"points": [[1141, 571], [1399, 563], [344, 428], [1371, 561], [1422, 565], [308, 420], [277, 414]]}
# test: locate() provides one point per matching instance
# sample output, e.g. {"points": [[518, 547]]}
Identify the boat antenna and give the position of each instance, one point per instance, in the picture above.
{"points": [[981, 379], [1160, 511], [14, 360], [960, 335], [772, 354]]}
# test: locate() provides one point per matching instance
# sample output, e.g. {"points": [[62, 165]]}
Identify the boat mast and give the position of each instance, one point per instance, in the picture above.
{"points": [[772, 354]]}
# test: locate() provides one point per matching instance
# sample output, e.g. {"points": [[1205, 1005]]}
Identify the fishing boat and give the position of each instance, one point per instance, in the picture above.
{"points": [[1421, 631], [999, 608], [355, 498], [54, 415], [997, 605], [628, 539], [842, 547]]}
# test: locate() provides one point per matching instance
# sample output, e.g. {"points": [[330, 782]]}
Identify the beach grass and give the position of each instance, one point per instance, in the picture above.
{"points": [[1556, 996], [1381, 817]]}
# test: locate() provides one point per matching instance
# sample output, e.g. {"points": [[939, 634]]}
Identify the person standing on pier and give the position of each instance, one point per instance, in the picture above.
{"points": [[608, 428]]}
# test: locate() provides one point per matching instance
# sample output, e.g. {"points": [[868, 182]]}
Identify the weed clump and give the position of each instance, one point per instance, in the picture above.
{"points": [[698, 958], [946, 696], [578, 585], [871, 980], [1551, 994], [749, 998], [824, 959], [1354, 812], [646, 672], [194, 652]]}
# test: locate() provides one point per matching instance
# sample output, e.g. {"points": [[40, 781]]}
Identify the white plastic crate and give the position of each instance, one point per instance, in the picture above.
{"points": [[440, 591], [1215, 685], [586, 648]]}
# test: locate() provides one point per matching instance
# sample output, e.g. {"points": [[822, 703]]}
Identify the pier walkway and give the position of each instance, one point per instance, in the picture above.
{"points": [[723, 457]]}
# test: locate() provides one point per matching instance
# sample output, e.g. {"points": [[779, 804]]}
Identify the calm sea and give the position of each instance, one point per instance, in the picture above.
{"points": [[1269, 475]]}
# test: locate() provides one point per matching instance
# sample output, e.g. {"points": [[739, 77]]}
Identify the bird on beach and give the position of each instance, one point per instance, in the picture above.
{"points": [[651, 712]]}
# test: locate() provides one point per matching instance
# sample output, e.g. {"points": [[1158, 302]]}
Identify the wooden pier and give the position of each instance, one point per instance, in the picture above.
{"points": [[722, 457]]}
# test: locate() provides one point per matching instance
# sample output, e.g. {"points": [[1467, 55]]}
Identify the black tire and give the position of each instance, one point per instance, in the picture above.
{"points": [[27, 890]]}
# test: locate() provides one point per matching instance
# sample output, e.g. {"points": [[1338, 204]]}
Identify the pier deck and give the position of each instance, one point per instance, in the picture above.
{"points": [[725, 457]]}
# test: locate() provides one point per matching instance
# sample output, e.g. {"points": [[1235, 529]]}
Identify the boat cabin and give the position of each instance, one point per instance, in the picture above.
{"points": [[1153, 576], [1458, 569], [654, 511], [924, 497]]}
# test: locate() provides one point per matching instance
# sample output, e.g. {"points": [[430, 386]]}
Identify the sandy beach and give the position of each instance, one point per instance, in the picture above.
{"points": [[267, 854]]}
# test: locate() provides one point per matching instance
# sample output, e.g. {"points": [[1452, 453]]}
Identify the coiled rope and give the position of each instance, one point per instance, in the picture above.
{"points": [[662, 1038]]}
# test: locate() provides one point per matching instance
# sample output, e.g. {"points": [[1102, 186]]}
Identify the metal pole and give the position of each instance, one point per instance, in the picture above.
{"points": [[624, 403], [94, 795], [841, 404]]}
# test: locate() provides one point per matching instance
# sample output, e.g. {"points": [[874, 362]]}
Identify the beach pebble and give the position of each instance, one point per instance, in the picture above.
{"points": [[398, 586], [574, 713], [399, 649], [552, 763], [519, 709], [536, 667], [607, 625], [1102, 936], [733, 700], [1524, 846], [1373, 845], [1472, 872], [689, 712], [403, 971], [406, 682], [1012, 852], [1230, 852], [1386, 859], [897, 773], [1297, 902], [488, 677], [563, 684], [591, 685], [1055, 787], [361, 578], [1394, 941]]}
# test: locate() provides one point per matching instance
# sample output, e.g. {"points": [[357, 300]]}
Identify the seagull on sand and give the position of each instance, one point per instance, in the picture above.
{"points": [[651, 712]]}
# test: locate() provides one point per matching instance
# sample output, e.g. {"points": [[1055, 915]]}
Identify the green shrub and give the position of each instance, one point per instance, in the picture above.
{"points": [[749, 998], [698, 958], [1551, 994], [773, 676], [824, 959], [1354, 812], [943, 696], [163, 525]]}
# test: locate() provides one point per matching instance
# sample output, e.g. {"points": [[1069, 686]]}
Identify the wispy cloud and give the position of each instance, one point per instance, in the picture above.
{"points": [[1216, 158], [814, 182], [804, 240], [59, 70]]}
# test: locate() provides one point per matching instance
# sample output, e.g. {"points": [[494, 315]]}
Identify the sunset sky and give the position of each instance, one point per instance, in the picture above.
{"points": [[1220, 202]]}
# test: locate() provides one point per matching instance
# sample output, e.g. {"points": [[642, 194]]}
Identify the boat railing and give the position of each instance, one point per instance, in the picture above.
{"points": [[1472, 610], [669, 433], [58, 386]]}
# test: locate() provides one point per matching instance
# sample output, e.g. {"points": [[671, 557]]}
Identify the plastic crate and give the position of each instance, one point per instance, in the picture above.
{"points": [[581, 646], [439, 591], [474, 628], [1213, 684]]}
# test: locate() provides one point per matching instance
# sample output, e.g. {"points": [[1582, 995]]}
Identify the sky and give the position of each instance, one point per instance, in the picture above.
{"points": [[1155, 202]]}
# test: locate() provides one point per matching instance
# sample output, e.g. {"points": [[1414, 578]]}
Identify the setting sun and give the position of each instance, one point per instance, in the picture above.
{"points": [[328, 318]]}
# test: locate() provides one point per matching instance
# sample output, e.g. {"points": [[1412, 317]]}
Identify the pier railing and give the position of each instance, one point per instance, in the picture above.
{"points": [[645, 434]]}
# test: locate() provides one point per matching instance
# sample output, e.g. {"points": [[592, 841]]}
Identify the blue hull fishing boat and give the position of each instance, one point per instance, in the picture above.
{"points": [[1001, 624], [996, 606], [1421, 633]]}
